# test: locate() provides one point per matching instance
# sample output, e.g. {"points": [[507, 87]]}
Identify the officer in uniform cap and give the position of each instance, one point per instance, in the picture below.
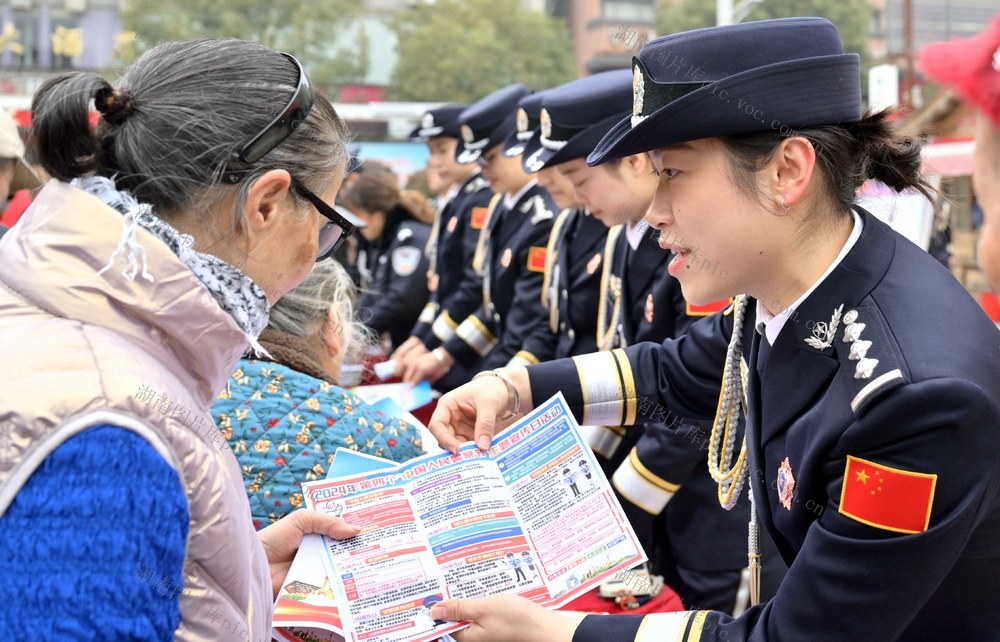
{"points": [[510, 325], [693, 544], [575, 250], [455, 286], [872, 428]]}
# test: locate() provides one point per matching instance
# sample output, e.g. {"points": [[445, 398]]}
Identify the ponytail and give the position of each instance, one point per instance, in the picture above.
{"points": [[66, 144], [846, 156], [888, 157]]}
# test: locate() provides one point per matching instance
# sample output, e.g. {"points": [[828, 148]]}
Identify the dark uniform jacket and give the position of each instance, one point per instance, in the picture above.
{"points": [[572, 281], [879, 408], [394, 277], [510, 326], [457, 290]]}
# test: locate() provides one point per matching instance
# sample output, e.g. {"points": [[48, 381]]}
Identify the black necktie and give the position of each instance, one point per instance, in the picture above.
{"points": [[763, 352]]}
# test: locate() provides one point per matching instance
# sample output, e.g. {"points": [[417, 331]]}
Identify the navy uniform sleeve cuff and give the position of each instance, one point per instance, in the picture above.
{"points": [[602, 628]]}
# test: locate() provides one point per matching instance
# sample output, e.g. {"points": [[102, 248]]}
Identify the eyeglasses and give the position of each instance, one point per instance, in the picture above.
{"points": [[342, 224]]}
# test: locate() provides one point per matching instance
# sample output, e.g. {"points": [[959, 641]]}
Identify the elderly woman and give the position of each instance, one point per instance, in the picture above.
{"points": [[284, 416], [130, 289]]}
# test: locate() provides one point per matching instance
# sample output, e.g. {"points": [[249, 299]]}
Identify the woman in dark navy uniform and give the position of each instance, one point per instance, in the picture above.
{"points": [[510, 325], [455, 287], [391, 261], [873, 424]]}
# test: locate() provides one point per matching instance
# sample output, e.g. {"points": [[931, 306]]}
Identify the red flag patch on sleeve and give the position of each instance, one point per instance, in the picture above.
{"points": [[705, 310], [536, 259], [479, 215], [887, 498]]}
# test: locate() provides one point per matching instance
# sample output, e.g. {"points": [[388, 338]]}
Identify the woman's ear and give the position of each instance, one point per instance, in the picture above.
{"points": [[268, 195], [333, 335], [791, 172], [636, 165]]}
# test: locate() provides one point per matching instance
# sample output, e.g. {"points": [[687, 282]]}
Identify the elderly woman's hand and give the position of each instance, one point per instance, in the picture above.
{"points": [[281, 539]]}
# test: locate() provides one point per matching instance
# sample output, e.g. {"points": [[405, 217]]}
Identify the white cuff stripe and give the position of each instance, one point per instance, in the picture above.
{"points": [[427, 314], [603, 400], [601, 439], [442, 329], [638, 490], [663, 627], [476, 339]]}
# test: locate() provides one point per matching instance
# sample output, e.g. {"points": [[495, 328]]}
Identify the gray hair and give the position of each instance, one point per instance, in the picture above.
{"points": [[193, 104], [303, 311]]}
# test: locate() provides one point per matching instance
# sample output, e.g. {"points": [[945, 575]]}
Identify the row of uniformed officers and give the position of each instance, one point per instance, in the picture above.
{"points": [[535, 256]]}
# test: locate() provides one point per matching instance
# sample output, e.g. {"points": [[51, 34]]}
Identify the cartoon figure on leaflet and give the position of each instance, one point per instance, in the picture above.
{"points": [[585, 468], [515, 563], [569, 478], [529, 562]]}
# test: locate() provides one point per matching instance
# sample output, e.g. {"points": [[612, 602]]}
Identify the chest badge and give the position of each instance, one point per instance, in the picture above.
{"points": [[508, 254], [452, 222], [649, 308], [823, 333], [786, 484], [594, 263]]}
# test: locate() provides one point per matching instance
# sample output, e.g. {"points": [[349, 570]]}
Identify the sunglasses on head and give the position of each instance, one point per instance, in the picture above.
{"points": [[340, 226]]}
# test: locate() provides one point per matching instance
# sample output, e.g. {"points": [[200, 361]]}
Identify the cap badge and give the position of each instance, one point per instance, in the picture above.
{"points": [[427, 122], [638, 95], [522, 120], [545, 122], [467, 134]]}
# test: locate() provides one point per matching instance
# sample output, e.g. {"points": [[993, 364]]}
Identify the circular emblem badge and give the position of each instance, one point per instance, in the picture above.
{"points": [[508, 254], [594, 263], [786, 484], [545, 122], [427, 121], [467, 134], [522, 120]]}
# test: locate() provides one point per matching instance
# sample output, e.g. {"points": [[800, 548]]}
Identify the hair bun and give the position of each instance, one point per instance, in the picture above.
{"points": [[115, 105]]}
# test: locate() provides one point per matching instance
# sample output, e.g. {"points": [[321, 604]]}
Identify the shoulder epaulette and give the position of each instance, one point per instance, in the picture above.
{"points": [[867, 352]]}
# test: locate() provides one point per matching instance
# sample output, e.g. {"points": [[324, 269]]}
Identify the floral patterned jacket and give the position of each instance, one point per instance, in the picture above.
{"points": [[284, 427]]}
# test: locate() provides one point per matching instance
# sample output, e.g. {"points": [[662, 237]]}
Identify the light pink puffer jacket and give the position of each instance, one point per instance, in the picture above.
{"points": [[91, 349]]}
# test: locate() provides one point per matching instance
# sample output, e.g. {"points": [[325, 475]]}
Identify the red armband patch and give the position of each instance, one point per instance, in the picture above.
{"points": [[536, 259], [479, 216], [887, 498]]}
